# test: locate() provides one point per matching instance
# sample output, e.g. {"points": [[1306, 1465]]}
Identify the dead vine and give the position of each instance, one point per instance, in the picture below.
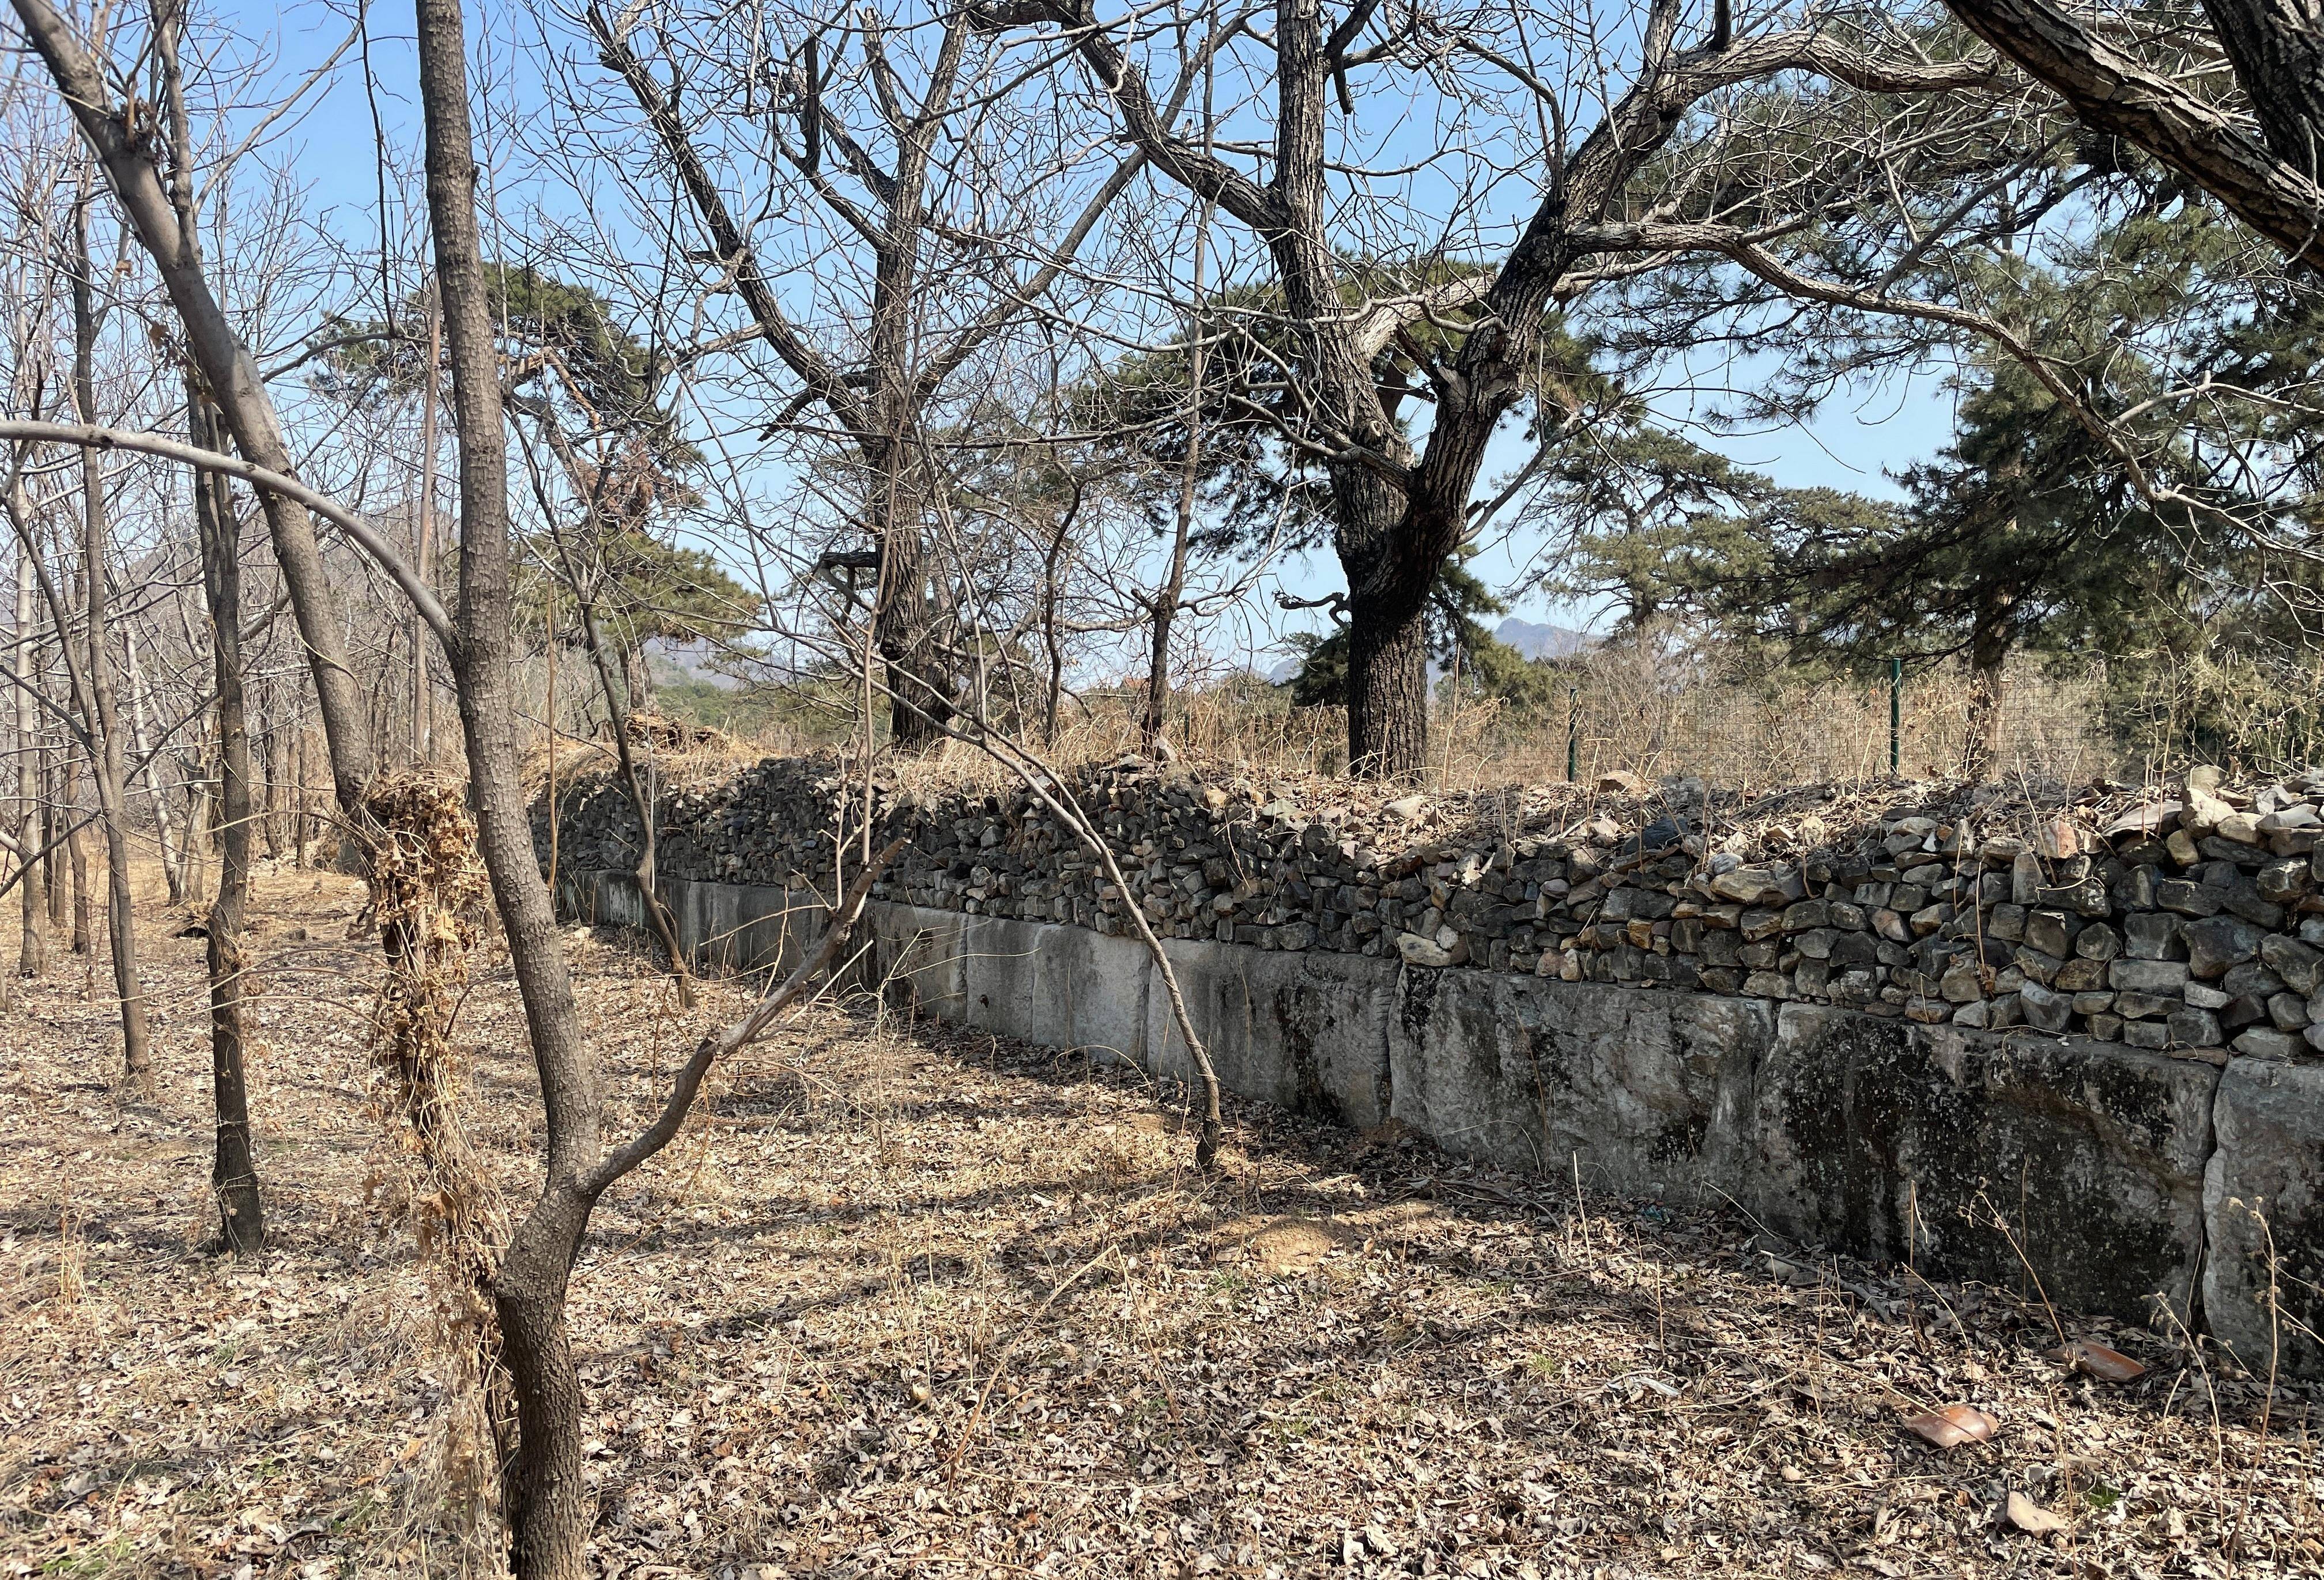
{"points": [[428, 898]]}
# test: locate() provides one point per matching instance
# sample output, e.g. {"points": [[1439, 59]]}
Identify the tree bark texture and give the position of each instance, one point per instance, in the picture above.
{"points": [[2274, 48], [32, 952]]}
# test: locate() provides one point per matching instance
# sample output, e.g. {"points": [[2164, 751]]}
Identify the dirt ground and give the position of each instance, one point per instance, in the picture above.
{"points": [[904, 1302]]}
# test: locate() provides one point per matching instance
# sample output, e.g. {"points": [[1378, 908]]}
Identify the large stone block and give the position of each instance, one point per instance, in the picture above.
{"points": [[914, 958], [2264, 1206], [1304, 1029], [1061, 986], [1640, 1091], [1974, 1155]]}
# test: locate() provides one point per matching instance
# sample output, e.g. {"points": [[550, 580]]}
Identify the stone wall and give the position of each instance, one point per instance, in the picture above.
{"points": [[2073, 1032]]}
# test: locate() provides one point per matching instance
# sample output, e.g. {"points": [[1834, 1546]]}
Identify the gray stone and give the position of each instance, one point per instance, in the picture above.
{"points": [[2267, 1043], [2216, 943], [2301, 965], [1422, 951], [2284, 881], [2049, 932], [2154, 935], [1308, 1031], [2149, 1035], [2188, 899], [1635, 1089], [2044, 1010], [1870, 1131], [2139, 976], [2263, 1213], [2098, 941], [2026, 879], [2251, 981], [2196, 1028]]}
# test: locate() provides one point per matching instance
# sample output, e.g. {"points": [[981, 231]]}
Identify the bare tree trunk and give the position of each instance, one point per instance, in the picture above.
{"points": [[1387, 694], [58, 777], [234, 1175], [300, 832], [1990, 641], [199, 832], [164, 832], [552, 1506], [270, 763], [77, 851], [106, 764], [32, 954], [423, 682]]}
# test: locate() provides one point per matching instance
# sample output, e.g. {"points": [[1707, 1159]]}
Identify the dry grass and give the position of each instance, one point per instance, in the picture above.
{"points": [[905, 1302], [1654, 715]]}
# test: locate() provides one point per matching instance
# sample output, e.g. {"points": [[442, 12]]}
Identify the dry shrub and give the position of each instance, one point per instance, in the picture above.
{"points": [[428, 894]]}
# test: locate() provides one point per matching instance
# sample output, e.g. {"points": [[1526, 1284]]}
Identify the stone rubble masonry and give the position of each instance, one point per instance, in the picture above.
{"points": [[2142, 934], [1897, 1042]]}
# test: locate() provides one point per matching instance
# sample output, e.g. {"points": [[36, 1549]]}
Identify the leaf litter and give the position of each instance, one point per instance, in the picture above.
{"points": [[907, 1301]]}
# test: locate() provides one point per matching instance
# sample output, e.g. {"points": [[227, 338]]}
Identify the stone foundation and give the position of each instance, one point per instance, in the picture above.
{"points": [[2102, 1176]]}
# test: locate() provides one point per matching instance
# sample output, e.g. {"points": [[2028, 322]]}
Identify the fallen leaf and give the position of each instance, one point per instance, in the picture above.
{"points": [[2031, 1517], [1953, 1425], [2106, 1366]]}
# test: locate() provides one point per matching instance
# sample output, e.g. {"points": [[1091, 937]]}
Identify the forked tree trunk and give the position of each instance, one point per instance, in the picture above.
{"points": [[551, 1507]]}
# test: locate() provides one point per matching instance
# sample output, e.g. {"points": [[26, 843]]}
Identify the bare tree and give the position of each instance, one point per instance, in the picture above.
{"points": [[879, 397], [100, 717], [1400, 507]]}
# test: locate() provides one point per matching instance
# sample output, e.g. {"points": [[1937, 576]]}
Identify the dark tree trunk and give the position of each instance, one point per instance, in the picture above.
{"points": [[77, 849], [24, 665], [1990, 641], [60, 811], [552, 1508], [919, 682], [234, 1174], [1387, 694]]}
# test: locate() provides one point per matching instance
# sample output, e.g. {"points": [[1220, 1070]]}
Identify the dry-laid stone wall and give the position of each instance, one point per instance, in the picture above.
{"points": [[2191, 922]]}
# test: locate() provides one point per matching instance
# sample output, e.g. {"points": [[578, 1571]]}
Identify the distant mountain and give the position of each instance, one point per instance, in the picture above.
{"points": [[1543, 641]]}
